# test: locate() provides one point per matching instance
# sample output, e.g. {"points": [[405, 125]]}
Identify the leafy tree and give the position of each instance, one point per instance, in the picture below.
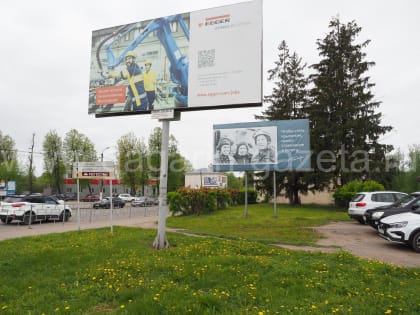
{"points": [[9, 166], [233, 181], [287, 101], [155, 144], [78, 147], [54, 163], [345, 130], [177, 164], [408, 179], [8, 151], [132, 158]]}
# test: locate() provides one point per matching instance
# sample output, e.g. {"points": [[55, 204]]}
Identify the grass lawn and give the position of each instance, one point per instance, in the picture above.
{"points": [[96, 272], [292, 225]]}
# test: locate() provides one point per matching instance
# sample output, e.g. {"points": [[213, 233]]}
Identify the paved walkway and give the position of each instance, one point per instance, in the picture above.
{"points": [[14, 230]]}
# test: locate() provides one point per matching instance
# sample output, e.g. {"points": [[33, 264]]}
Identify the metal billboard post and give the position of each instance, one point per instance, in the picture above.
{"points": [[275, 193], [78, 205], [246, 195], [160, 240], [111, 205], [164, 116]]}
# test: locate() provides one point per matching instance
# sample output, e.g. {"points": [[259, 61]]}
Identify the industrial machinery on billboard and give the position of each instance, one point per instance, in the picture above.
{"points": [[178, 62], [198, 60]]}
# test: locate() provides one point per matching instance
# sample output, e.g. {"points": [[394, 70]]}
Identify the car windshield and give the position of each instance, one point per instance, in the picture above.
{"points": [[358, 197], [404, 201], [13, 199]]}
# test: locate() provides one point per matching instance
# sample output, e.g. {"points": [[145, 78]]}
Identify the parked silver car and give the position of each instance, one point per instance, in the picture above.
{"points": [[143, 202]]}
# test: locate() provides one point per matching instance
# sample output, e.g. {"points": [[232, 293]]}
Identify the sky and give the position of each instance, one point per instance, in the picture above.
{"points": [[45, 53]]}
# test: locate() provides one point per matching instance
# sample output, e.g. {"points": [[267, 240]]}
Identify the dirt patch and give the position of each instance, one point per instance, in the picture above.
{"points": [[363, 241]]}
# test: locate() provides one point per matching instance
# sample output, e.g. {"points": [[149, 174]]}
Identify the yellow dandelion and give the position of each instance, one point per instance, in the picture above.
{"points": [[122, 306], [388, 311], [4, 307]]}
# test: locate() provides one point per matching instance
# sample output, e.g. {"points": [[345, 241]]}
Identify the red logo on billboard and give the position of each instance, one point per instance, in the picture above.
{"points": [[220, 19]]}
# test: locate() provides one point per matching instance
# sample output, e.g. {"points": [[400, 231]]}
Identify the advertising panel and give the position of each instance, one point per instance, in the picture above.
{"points": [[99, 170], [270, 145], [216, 181], [199, 60]]}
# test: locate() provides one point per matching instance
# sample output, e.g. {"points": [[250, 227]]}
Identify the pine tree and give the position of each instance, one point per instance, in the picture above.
{"points": [[287, 101], [345, 129]]}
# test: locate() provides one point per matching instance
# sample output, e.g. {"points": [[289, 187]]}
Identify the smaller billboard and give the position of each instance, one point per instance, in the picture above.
{"points": [[270, 145], [99, 170], [216, 181]]}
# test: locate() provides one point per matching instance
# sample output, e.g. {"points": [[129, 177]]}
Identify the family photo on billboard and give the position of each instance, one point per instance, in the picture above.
{"points": [[245, 146]]}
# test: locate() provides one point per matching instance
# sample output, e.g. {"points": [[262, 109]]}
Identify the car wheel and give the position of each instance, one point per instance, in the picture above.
{"points": [[66, 216], [415, 242], [7, 221], [361, 221], [29, 218]]}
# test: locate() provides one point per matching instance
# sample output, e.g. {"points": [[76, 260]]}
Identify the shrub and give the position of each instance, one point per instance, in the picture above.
{"points": [[252, 196], [344, 194], [188, 201]]}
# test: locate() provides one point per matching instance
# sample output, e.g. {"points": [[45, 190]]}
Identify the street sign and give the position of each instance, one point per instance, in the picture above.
{"points": [[96, 170]]}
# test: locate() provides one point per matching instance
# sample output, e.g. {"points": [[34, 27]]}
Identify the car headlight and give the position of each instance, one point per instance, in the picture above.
{"points": [[377, 214], [398, 225]]}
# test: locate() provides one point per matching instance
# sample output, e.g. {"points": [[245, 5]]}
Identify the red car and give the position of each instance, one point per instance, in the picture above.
{"points": [[90, 198]]}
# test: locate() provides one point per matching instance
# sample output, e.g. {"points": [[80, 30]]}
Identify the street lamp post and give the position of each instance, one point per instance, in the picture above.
{"points": [[102, 181]]}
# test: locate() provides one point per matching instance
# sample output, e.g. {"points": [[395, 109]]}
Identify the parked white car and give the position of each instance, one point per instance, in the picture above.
{"points": [[31, 208], [403, 228], [127, 197], [368, 200]]}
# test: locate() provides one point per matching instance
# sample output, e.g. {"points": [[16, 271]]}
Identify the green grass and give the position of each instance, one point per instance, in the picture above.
{"points": [[292, 225], [96, 272]]}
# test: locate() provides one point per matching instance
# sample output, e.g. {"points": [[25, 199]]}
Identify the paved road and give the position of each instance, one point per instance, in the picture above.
{"points": [[89, 219]]}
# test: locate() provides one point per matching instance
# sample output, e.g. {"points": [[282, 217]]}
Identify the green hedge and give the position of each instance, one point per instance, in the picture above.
{"points": [[344, 194], [186, 201]]}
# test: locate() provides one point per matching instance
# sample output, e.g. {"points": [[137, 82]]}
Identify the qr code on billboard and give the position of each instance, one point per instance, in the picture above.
{"points": [[206, 58]]}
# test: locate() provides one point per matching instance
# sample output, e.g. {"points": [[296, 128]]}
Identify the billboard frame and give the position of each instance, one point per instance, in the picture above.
{"points": [[287, 146], [215, 84]]}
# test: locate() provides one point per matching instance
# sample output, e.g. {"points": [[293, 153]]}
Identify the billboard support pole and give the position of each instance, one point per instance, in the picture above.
{"points": [[78, 205], [275, 193], [160, 240], [246, 195], [78, 194], [111, 205]]}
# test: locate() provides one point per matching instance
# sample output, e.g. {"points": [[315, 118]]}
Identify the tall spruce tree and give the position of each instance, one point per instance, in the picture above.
{"points": [[345, 129], [287, 101]]}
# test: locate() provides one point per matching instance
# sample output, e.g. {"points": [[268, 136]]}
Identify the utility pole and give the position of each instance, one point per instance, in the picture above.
{"points": [[102, 181], [31, 171]]}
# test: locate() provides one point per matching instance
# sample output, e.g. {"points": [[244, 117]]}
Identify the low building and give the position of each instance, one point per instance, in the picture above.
{"points": [[205, 178]]}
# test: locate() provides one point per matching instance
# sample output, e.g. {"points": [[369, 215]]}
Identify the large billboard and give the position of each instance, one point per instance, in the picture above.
{"points": [[280, 145], [199, 60]]}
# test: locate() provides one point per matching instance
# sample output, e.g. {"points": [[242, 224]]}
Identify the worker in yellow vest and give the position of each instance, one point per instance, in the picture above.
{"points": [[134, 76], [150, 83]]}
